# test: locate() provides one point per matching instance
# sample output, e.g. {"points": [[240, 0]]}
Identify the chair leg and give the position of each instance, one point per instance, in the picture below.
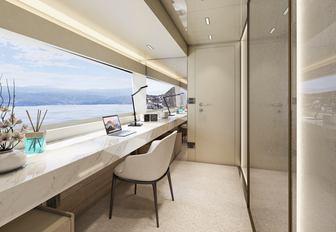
{"points": [[170, 185], [113, 187], [135, 189], [155, 204]]}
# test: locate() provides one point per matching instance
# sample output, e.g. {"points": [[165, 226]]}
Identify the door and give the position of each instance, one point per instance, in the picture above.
{"points": [[215, 111]]}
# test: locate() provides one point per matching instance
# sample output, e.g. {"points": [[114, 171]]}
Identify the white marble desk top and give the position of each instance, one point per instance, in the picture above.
{"points": [[68, 162]]}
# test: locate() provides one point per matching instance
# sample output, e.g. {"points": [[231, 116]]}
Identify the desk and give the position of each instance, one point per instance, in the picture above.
{"points": [[68, 162]]}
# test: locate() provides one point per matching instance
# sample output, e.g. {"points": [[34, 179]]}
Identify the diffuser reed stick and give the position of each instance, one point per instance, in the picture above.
{"points": [[39, 122]]}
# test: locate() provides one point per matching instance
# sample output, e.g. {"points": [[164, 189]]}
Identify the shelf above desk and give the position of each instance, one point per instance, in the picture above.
{"points": [[68, 162]]}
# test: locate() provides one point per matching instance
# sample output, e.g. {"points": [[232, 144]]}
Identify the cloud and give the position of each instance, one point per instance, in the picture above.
{"points": [[34, 52]]}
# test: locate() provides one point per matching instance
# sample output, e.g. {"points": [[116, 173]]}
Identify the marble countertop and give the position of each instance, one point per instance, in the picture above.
{"points": [[68, 162]]}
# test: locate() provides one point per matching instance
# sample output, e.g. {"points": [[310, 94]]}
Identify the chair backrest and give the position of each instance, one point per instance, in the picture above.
{"points": [[161, 155]]}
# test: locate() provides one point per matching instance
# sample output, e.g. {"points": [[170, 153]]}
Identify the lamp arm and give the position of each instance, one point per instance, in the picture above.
{"points": [[164, 99], [134, 114], [139, 90]]}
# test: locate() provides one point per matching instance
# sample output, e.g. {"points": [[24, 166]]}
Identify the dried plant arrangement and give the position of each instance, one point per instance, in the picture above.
{"points": [[10, 136]]}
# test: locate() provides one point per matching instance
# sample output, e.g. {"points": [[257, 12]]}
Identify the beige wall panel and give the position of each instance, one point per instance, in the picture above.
{"points": [[191, 107]]}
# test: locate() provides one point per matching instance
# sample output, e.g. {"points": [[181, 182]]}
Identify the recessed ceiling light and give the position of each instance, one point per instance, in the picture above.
{"points": [[149, 46], [207, 20], [210, 37], [272, 30], [286, 11]]}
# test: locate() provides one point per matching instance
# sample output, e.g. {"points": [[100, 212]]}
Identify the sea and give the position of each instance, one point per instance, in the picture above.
{"points": [[65, 113]]}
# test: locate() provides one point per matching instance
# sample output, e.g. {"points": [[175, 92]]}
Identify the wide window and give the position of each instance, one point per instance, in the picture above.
{"points": [[157, 90], [71, 87]]}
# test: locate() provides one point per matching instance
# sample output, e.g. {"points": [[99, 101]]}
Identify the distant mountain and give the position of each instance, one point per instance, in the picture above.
{"points": [[157, 102], [53, 96]]}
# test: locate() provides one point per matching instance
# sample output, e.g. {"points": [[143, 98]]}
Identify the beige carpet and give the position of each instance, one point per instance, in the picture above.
{"points": [[208, 198], [269, 200]]}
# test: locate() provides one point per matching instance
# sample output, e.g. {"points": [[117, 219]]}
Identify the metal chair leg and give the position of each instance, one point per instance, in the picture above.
{"points": [[170, 185], [113, 187], [155, 204], [135, 189]]}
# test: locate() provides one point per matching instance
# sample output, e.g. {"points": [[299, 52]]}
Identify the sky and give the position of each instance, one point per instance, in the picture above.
{"points": [[34, 63]]}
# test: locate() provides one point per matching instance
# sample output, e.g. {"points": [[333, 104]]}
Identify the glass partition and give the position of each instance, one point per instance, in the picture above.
{"points": [[317, 116], [269, 116]]}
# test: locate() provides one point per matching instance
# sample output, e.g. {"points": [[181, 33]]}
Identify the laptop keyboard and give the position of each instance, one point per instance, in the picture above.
{"points": [[122, 133]]}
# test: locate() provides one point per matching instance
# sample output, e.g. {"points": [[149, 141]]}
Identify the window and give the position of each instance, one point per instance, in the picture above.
{"points": [[157, 89], [155, 92], [69, 86]]}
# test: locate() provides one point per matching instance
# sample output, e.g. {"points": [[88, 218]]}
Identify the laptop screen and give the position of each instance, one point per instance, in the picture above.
{"points": [[111, 123]]}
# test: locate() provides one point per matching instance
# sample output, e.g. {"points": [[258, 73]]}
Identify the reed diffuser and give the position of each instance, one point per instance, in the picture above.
{"points": [[35, 140]]}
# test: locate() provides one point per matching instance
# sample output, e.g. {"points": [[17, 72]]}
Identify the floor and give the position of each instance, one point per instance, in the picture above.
{"points": [[207, 198], [269, 205]]}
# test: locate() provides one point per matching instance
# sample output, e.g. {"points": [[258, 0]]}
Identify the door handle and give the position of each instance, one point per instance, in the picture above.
{"points": [[279, 104], [202, 104]]}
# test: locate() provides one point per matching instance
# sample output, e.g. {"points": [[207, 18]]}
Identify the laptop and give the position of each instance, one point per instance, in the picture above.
{"points": [[113, 126]]}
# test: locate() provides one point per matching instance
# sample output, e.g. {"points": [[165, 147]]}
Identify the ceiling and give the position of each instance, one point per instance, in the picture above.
{"points": [[130, 23], [227, 19]]}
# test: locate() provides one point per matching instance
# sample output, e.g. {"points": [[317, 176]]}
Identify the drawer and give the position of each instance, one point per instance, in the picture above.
{"points": [[42, 219]]}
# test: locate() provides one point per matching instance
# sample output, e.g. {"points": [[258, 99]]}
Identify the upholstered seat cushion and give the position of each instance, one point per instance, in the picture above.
{"points": [[150, 166]]}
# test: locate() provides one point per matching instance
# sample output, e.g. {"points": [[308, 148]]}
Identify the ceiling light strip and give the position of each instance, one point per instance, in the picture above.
{"points": [[160, 68]]}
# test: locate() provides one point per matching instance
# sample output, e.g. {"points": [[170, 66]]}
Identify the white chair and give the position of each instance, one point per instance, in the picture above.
{"points": [[146, 168]]}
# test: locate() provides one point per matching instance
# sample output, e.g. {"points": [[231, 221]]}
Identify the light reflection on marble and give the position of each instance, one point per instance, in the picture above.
{"points": [[67, 162]]}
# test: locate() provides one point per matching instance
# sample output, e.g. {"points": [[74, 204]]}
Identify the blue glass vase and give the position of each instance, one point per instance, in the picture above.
{"points": [[34, 142]]}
